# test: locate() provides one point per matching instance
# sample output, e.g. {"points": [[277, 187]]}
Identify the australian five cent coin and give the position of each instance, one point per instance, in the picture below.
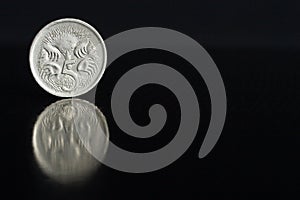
{"points": [[67, 57]]}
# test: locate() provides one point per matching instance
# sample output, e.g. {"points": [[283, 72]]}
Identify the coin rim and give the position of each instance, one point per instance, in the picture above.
{"points": [[37, 77]]}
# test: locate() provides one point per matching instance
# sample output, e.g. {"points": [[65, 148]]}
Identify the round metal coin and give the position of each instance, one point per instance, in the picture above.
{"points": [[67, 57]]}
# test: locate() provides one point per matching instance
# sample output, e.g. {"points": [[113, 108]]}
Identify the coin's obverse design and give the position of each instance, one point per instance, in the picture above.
{"points": [[67, 57]]}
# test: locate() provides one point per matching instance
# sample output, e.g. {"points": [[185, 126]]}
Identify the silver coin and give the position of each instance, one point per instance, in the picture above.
{"points": [[61, 136], [67, 57]]}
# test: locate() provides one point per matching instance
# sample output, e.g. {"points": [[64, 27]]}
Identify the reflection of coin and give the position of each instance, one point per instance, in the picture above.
{"points": [[62, 133], [67, 57]]}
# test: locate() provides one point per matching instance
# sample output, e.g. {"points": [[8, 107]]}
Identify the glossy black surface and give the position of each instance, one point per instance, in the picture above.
{"points": [[256, 48]]}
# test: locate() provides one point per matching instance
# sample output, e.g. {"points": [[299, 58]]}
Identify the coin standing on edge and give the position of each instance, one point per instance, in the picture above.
{"points": [[67, 57]]}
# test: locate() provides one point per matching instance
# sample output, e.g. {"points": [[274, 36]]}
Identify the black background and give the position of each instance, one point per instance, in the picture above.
{"points": [[255, 45]]}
